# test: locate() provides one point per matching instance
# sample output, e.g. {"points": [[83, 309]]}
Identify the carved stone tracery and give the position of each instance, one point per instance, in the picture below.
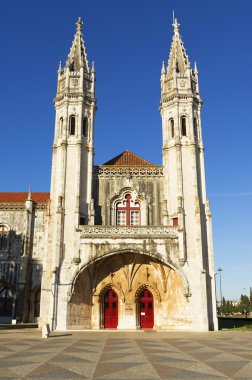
{"points": [[146, 231], [105, 171]]}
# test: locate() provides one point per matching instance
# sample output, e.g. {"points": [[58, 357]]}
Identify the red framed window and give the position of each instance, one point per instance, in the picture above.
{"points": [[128, 212], [175, 221]]}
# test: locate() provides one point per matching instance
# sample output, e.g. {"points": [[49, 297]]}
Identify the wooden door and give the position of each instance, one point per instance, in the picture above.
{"points": [[146, 308], [110, 309]]}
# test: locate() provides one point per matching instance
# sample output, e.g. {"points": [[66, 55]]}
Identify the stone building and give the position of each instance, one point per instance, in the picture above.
{"points": [[126, 244]]}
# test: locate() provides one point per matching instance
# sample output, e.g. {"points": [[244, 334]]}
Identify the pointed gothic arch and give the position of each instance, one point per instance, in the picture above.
{"points": [[167, 261], [146, 285]]}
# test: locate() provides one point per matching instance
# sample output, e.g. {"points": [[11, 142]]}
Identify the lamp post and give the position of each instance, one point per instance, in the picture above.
{"points": [[216, 301], [220, 270]]}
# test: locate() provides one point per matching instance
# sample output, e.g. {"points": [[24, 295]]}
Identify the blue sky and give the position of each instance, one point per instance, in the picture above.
{"points": [[128, 39]]}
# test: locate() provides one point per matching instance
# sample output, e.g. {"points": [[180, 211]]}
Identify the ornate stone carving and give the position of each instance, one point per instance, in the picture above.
{"points": [[75, 82], [163, 232], [20, 206], [106, 171], [76, 260]]}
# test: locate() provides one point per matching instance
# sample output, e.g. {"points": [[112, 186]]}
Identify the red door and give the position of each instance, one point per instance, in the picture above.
{"points": [[146, 306], [110, 309]]}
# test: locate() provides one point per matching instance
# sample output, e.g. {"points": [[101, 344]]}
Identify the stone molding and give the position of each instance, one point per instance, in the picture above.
{"points": [[159, 232], [107, 171], [20, 206]]}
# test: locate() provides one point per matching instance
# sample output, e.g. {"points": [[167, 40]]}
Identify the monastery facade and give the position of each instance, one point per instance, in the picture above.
{"points": [[126, 244]]}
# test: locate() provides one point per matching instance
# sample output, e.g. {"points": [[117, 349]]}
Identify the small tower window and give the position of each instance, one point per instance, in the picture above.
{"points": [[183, 125], [72, 125], [85, 127], [177, 67], [171, 127], [195, 128]]}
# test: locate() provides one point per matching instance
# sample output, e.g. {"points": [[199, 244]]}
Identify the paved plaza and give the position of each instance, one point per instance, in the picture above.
{"points": [[125, 355]]}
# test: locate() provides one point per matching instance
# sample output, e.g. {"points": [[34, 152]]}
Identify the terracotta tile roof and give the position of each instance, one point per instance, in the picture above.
{"points": [[127, 158], [8, 197]]}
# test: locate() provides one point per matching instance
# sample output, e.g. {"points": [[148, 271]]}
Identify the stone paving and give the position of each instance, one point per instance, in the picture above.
{"points": [[125, 355]]}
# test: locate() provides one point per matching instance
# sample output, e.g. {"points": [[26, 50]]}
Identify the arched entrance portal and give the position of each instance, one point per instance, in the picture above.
{"points": [[113, 291], [110, 309], [146, 309]]}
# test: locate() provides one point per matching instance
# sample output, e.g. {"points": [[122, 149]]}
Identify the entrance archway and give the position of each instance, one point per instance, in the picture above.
{"points": [[146, 309], [110, 309]]}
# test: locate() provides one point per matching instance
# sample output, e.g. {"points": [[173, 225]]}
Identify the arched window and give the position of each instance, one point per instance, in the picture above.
{"points": [[85, 127], [171, 128], [3, 237], [72, 125], [6, 302], [195, 128], [183, 125], [128, 212], [60, 126]]}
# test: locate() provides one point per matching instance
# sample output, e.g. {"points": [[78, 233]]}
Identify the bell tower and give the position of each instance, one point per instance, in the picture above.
{"points": [[184, 172], [73, 147], [72, 168]]}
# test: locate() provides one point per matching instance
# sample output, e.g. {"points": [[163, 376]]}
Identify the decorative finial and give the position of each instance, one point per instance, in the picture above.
{"points": [[60, 67], [68, 61], [93, 67], [79, 24], [176, 26], [29, 198], [173, 17], [195, 68], [163, 68]]}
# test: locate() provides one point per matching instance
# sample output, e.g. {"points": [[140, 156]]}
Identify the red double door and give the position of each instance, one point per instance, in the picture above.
{"points": [[146, 306], [146, 309], [110, 309]]}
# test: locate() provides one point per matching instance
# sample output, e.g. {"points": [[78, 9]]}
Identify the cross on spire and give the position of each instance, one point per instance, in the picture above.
{"points": [[79, 24]]}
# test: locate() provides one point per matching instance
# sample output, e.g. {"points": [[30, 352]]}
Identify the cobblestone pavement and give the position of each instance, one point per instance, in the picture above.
{"points": [[125, 355]]}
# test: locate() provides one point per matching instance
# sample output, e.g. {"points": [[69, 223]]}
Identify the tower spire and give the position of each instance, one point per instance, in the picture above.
{"points": [[78, 56], [178, 57]]}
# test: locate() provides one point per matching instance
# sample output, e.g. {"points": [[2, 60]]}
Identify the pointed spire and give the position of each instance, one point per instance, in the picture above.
{"points": [[93, 67], [163, 68], [178, 59], [195, 68], [29, 196], [60, 68], [77, 57]]}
